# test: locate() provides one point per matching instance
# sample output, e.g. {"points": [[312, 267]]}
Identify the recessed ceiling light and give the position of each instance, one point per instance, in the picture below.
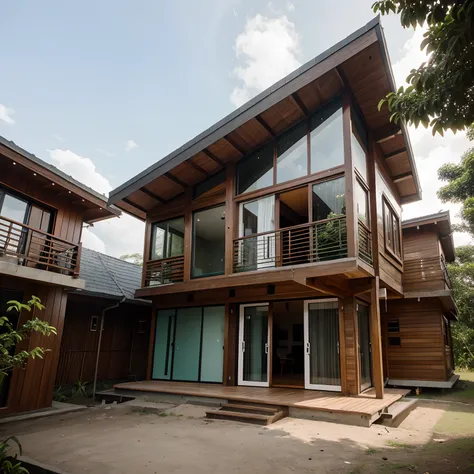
{"points": [[14, 163], [69, 192], [34, 174], [52, 184], [83, 200], [100, 208]]}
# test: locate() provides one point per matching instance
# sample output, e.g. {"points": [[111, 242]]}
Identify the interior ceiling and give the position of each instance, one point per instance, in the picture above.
{"points": [[365, 75], [297, 199]]}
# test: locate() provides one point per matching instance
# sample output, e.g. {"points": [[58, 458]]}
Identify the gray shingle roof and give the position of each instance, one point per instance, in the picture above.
{"points": [[109, 277]]}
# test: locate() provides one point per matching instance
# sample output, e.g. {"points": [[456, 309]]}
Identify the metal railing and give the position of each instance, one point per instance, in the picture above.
{"points": [[30, 247], [164, 271], [365, 243], [319, 241], [430, 273], [444, 269]]}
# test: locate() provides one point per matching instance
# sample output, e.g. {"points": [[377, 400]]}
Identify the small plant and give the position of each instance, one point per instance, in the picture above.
{"points": [[79, 389], [370, 451], [58, 396], [8, 462]]}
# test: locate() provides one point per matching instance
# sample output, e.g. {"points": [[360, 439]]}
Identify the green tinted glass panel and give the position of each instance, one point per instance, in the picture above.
{"points": [[187, 344], [212, 344], [163, 348]]}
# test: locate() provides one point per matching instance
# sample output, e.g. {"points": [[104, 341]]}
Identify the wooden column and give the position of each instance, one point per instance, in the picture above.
{"points": [[351, 385], [146, 250], [372, 180], [151, 343], [342, 348], [230, 218], [351, 215], [376, 339], [188, 235], [230, 343]]}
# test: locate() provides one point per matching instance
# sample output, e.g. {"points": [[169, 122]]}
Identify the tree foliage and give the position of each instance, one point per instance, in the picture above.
{"points": [[461, 273], [10, 336], [460, 186], [440, 91]]}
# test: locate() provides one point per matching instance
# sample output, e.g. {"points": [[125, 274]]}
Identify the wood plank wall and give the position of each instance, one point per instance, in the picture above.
{"points": [[421, 354], [124, 350], [32, 386], [351, 343]]}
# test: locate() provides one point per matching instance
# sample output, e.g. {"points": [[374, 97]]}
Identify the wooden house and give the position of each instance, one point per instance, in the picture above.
{"points": [[271, 236], [106, 329], [42, 212]]}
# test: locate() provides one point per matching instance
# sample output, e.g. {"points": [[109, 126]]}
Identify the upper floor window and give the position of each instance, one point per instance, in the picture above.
{"points": [[391, 229], [362, 204], [359, 144], [256, 171], [327, 147], [292, 153], [329, 199], [167, 239]]}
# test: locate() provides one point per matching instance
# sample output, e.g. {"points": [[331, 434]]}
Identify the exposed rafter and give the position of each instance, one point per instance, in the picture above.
{"points": [[395, 153], [176, 180], [136, 206], [387, 133], [234, 145], [197, 167], [265, 126], [153, 196], [213, 157], [299, 103], [402, 177]]}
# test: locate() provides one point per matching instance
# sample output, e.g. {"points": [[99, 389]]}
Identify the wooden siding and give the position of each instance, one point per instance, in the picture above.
{"points": [[421, 354], [123, 352], [351, 350], [32, 387]]}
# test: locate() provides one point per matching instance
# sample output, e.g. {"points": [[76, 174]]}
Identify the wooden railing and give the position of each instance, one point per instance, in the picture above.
{"points": [[425, 274], [365, 243], [30, 247], [319, 241], [166, 270]]}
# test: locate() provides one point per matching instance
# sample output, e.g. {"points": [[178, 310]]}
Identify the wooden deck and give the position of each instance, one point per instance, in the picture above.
{"points": [[364, 404]]}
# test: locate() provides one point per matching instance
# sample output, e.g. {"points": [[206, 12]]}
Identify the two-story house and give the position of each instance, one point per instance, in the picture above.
{"points": [[271, 236], [42, 213]]}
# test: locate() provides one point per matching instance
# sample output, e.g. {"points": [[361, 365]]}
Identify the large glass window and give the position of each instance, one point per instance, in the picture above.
{"points": [[209, 242], [292, 154], [329, 199], [167, 239], [391, 229], [359, 156], [256, 171], [362, 204], [13, 208], [327, 146]]}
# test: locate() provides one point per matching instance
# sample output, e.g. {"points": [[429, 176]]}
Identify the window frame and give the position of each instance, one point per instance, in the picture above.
{"points": [[389, 211], [154, 225]]}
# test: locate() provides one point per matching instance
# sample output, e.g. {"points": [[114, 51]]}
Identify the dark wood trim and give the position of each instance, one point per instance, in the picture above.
{"points": [[130, 203], [234, 145], [213, 157], [153, 195], [176, 180], [201, 170], [402, 177], [188, 237], [342, 348], [265, 125], [146, 249], [395, 153], [372, 181], [230, 210], [151, 344], [295, 98], [376, 339], [386, 133]]}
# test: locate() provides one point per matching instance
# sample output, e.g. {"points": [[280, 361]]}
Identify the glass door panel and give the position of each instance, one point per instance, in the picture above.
{"points": [[187, 344], [212, 352], [163, 353], [12, 236], [364, 346], [254, 348], [322, 364]]}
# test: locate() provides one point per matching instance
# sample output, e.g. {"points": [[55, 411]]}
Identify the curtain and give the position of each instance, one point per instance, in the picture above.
{"points": [[266, 222]]}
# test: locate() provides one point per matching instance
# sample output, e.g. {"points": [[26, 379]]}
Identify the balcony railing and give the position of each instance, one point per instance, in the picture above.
{"points": [[365, 243], [444, 269], [167, 270], [30, 247], [426, 274], [319, 241]]}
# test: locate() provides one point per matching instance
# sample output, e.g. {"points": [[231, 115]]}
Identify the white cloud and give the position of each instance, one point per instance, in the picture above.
{"points": [[267, 50], [290, 6], [430, 152], [80, 168], [6, 114], [130, 145]]}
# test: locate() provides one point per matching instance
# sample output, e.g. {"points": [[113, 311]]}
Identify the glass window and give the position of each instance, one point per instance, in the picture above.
{"points": [[167, 239], [209, 242], [256, 171], [329, 199], [327, 145], [13, 208], [292, 154], [393, 325], [362, 204], [359, 157], [391, 229], [257, 216]]}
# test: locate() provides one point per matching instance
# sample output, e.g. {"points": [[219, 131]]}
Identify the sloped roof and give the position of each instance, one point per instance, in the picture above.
{"points": [[109, 277]]}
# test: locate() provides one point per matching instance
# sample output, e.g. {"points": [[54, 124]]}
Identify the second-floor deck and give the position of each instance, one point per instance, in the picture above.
{"points": [[423, 275]]}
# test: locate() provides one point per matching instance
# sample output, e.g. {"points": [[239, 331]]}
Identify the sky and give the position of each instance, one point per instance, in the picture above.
{"points": [[102, 89]]}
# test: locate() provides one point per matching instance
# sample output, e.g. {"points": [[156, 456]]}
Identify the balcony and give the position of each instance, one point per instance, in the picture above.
{"points": [[32, 249], [425, 275], [164, 271]]}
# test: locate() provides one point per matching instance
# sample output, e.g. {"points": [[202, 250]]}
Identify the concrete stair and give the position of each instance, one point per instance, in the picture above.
{"points": [[396, 413], [249, 413]]}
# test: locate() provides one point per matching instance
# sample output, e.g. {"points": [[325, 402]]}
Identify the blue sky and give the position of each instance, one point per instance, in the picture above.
{"points": [[103, 89]]}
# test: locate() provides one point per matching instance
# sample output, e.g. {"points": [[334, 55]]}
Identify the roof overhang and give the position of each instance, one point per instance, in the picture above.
{"points": [[441, 221], [359, 63], [16, 160]]}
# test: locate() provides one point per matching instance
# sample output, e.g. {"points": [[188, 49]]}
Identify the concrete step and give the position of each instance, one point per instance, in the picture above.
{"points": [[397, 412], [246, 413]]}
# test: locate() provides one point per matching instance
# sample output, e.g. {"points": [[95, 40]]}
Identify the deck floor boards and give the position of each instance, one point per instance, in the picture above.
{"points": [[363, 404]]}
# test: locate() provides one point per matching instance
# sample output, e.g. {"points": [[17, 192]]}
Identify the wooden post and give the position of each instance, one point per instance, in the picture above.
{"points": [[151, 344], [230, 339], [188, 235], [146, 251], [229, 218], [376, 339], [372, 180]]}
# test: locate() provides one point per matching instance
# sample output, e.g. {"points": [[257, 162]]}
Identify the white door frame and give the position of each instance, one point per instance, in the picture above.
{"points": [[307, 376], [240, 377]]}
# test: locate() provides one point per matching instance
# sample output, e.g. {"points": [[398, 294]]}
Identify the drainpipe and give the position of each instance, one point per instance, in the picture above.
{"points": [[99, 344]]}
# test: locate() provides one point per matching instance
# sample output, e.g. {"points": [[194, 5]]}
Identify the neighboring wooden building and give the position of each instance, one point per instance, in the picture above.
{"points": [[107, 301], [269, 235], [42, 211], [417, 329]]}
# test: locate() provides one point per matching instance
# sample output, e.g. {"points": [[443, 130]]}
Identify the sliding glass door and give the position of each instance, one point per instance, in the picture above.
{"points": [[321, 337], [189, 344], [363, 318], [254, 353]]}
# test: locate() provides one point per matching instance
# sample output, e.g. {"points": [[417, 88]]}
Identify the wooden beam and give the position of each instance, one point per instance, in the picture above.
{"points": [[376, 339], [197, 167], [295, 98], [360, 286], [153, 195], [188, 236], [176, 180], [136, 206], [340, 75], [402, 177], [213, 157], [386, 133], [265, 126], [395, 153], [234, 145], [318, 285]]}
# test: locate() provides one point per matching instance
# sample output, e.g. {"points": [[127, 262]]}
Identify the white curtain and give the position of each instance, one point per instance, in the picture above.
{"points": [[266, 223]]}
